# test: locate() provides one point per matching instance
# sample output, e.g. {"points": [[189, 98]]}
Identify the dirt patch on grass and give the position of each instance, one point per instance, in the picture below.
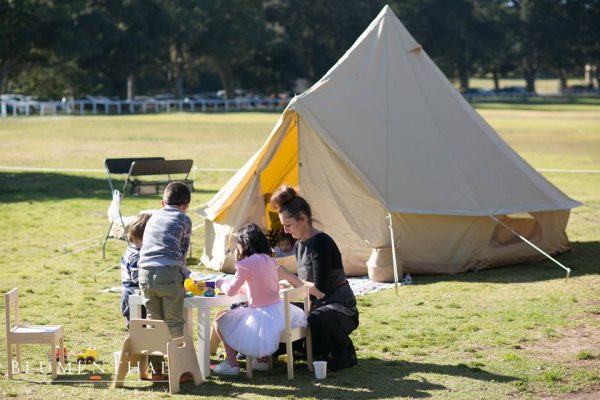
{"points": [[569, 347], [576, 348], [591, 393]]}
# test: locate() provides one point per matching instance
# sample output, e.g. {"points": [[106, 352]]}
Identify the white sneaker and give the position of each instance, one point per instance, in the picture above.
{"points": [[224, 368], [260, 366]]}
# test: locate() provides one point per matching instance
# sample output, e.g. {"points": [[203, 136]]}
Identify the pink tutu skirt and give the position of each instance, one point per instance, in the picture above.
{"points": [[255, 331]]}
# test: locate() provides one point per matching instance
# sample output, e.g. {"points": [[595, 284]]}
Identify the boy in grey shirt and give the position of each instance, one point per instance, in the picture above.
{"points": [[162, 258]]}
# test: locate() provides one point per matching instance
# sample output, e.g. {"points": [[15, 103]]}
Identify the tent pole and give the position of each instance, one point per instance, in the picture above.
{"points": [[395, 263], [534, 246]]}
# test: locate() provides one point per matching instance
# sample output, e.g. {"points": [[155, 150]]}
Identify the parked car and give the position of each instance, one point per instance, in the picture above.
{"points": [[477, 92], [12, 97], [515, 91], [582, 89], [206, 96], [20, 102], [97, 99], [143, 98], [164, 96]]}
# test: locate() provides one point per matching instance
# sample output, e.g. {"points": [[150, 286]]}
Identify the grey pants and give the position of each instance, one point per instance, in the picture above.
{"points": [[163, 291]]}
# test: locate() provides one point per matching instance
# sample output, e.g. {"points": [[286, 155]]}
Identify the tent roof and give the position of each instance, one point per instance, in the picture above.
{"points": [[389, 111]]}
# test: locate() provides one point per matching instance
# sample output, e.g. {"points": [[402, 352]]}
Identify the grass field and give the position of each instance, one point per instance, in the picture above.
{"points": [[542, 86], [515, 332]]}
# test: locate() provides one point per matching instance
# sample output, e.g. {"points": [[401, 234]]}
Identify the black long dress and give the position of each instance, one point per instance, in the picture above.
{"points": [[335, 316]]}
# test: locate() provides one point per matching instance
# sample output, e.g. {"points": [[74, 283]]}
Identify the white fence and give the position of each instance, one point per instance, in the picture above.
{"points": [[81, 107]]}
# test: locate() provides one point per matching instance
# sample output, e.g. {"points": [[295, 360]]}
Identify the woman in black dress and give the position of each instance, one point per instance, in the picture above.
{"points": [[333, 314]]}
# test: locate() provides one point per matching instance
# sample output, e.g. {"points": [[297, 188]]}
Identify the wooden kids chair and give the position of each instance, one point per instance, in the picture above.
{"points": [[148, 337], [19, 334], [290, 334]]}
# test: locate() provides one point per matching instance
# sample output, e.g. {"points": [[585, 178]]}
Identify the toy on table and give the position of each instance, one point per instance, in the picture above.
{"points": [[87, 356], [196, 287], [199, 288]]}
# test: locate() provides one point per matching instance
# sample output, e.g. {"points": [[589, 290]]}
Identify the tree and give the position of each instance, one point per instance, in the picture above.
{"points": [[529, 26], [496, 49], [562, 50], [451, 32], [226, 36], [114, 41], [312, 36], [17, 41]]}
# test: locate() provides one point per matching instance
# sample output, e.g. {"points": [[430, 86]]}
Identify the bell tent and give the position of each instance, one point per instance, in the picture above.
{"points": [[384, 145]]}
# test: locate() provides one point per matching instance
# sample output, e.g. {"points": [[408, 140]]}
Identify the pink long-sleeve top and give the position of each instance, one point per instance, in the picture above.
{"points": [[257, 277]]}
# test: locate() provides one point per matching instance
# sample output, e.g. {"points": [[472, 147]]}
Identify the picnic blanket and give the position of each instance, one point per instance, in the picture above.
{"points": [[362, 285]]}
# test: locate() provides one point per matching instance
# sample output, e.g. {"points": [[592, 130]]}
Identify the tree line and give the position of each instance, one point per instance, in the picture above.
{"points": [[56, 48]]}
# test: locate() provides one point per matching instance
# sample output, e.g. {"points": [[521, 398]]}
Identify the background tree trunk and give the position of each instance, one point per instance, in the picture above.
{"points": [[463, 75], [562, 81], [530, 75], [130, 87], [179, 70], [225, 76], [496, 78], [463, 72]]}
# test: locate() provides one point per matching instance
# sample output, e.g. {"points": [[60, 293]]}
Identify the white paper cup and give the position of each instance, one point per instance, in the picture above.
{"points": [[320, 369]]}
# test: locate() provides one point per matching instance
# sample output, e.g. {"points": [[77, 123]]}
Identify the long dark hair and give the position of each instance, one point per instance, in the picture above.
{"points": [[253, 241], [291, 205]]}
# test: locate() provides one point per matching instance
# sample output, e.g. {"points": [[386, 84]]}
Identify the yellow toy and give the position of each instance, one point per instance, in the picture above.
{"points": [[196, 287], [88, 356]]}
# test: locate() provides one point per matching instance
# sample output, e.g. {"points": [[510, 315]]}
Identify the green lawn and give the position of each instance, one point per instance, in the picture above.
{"points": [[541, 85], [519, 332]]}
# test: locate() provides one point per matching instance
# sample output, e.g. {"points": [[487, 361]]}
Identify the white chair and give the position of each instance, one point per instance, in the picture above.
{"points": [[18, 334], [148, 337], [114, 216], [290, 335]]}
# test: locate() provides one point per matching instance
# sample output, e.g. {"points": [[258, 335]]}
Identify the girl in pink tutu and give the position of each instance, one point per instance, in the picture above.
{"points": [[254, 330]]}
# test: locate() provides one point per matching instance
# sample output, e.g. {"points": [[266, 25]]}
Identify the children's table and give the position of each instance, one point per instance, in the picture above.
{"points": [[203, 305]]}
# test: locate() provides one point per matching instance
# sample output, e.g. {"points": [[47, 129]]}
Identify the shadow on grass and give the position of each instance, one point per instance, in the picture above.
{"points": [[582, 259], [35, 186], [371, 379]]}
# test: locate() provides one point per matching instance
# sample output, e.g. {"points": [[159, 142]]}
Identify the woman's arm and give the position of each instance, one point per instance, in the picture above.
{"points": [[283, 274]]}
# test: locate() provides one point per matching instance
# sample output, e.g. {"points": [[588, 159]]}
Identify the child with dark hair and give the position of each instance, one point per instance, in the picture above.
{"points": [[129, 263], [254, 330], [285, 245], [162, 262]]}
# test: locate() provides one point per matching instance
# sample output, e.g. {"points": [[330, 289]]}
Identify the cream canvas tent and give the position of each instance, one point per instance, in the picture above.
{"points": [[384, 133]]}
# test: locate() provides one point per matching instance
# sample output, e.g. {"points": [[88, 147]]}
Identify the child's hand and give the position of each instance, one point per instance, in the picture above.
{"points": [[219, 282]]}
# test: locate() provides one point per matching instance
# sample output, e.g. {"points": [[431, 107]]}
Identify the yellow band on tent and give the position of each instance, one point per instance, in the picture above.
{"points": [[282, 168]]}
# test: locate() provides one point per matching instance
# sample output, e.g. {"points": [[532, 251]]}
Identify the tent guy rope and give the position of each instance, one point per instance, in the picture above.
{"points": [[534, 246]]}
